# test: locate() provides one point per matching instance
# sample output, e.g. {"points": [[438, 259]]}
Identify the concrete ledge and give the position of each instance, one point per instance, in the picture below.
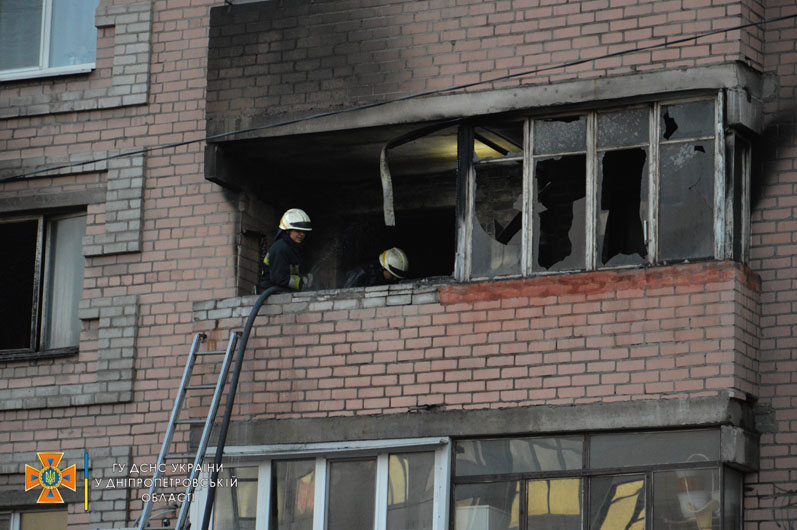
{"points": [[735, 415], [590, 92]]}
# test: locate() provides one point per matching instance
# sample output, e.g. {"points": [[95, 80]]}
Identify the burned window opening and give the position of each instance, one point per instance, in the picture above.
{"points": [[622, 173], [18, 282], [498, 219], [560, 205]]}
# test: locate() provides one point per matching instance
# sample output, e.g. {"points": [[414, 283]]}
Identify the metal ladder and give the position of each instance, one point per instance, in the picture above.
{"points": [[175, 420]]}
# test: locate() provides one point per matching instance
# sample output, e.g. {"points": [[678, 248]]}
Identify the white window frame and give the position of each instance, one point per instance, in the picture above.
{"points": [[463, 269], [323, 454], [43, 69]]}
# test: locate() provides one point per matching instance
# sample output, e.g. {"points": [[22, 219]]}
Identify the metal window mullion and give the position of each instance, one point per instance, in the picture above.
{"points": [[649, 508], [320, 494], [380, 497], [442, 487], [719, 179], [47, 20], [591, 235], [653, 186], [528, 184]]}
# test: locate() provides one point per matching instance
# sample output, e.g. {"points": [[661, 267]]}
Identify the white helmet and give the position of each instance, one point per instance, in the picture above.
{"points": [[295, 219], [395, 261]]}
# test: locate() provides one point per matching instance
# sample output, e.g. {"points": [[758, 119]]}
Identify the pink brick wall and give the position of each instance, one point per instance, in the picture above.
{"points": [[310, 55], [774, 256], [672, 332]]}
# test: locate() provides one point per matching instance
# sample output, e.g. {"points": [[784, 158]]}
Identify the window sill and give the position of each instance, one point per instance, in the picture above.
{"points": [[32, 355], [21, 75]]}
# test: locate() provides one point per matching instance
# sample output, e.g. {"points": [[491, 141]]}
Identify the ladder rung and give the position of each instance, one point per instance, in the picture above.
{"points": [[212, 352], [196, 421], [200, 387], [181, 455]]}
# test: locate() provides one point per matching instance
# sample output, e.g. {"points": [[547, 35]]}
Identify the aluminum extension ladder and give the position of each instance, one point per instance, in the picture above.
{"points": [[175, 420]]}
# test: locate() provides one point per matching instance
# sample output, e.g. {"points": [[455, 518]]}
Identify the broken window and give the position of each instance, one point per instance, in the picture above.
{"points": [[560, 194], [498, 201], [611, 188], [686, 181], [622, 187], [42, 282]]}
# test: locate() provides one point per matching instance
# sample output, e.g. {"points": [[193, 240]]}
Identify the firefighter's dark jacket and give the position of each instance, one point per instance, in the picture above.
{"points": [[366, 275], [283, 265]]}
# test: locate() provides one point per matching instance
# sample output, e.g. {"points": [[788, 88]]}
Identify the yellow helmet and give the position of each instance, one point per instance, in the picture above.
{"points": [[395, 261], [295, 219]]}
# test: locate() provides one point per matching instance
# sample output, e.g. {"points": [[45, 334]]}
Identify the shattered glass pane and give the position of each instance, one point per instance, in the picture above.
{"points": [[560, 135], [623, 190], [560, 213], [498, 220], [686, 201], [623, 128], [687, 120]]}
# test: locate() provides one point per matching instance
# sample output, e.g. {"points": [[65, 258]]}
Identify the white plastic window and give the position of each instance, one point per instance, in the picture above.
{"points": [[46, 37]]}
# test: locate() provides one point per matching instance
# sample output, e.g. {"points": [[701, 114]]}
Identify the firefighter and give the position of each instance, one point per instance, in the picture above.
{"points": [[391, 265], [283, 265]]}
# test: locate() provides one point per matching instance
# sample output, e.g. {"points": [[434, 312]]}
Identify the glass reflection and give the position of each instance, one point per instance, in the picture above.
{"points": [[295, 486], [617, 502], [686, 497], [554, 504], [410, 493], [517, 455], [493, 506]]}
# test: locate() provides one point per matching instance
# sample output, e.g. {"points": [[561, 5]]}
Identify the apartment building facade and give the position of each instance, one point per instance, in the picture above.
{"points": [[596, 198]]}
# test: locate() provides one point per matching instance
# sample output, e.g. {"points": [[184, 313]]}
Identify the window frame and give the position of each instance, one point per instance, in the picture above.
{"points": [[15, 516], [40, 294], [326, 453], [43, 69], [722, 240], [586, 472]]}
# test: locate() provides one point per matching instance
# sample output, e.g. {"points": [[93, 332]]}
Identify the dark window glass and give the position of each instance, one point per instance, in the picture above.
{"points": [[351, 495], [686, 201], [623, 128], [639, 449], [517, 455], [294, 493], [560, 135], [560, 213], [17, 282], [686, 497], [20, 33], [492, 506], [617, 502], [733, 499], [687, 120], [410, 495]]}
